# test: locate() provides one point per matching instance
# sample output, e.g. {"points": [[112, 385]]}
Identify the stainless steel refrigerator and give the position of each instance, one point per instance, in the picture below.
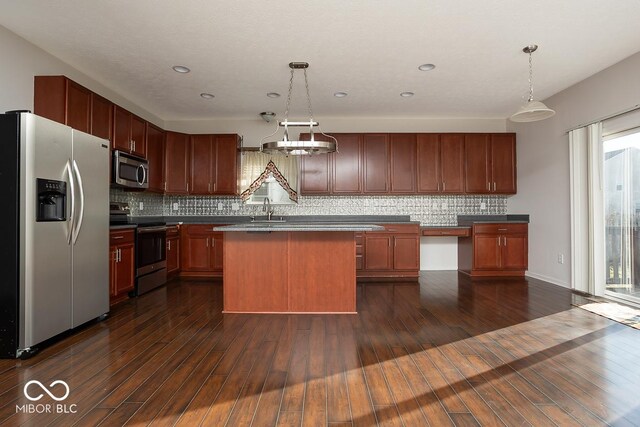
{"points": [[54, 223]]}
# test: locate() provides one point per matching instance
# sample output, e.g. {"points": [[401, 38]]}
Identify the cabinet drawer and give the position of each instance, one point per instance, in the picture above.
{"points": [[443, 231], [502, 228], [398, 228], [359, 238], [121, 236], [173, 230], [200, 228]]}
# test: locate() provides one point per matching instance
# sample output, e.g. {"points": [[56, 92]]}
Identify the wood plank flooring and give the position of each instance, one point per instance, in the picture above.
{"points": [[446, 351]]}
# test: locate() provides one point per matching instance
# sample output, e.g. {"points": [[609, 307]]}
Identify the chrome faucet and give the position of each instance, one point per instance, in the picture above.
{"points": [[266, 207]]}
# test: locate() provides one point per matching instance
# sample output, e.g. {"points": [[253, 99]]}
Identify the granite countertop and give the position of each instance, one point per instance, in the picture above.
{"points": [[306, 226], [122, 227], [474, 219], [444, 226], [243, 219]]}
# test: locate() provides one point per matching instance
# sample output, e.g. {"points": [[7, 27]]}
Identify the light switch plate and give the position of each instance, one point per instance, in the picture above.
{"points": [[483, 206], [141, 206], [175, 206], [235, 207], [445, 205], [220, 206]]}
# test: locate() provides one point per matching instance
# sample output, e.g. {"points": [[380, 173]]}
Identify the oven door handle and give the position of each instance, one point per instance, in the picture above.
{"points": [[145, 230]]}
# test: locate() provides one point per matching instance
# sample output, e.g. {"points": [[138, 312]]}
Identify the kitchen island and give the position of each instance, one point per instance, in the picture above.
{"points": [[290, 267]]}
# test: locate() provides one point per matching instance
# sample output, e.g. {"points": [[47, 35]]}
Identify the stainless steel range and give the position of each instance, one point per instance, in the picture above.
{"points": [[151, 256]]}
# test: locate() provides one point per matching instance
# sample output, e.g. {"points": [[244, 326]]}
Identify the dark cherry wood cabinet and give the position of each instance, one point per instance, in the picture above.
{"points": [[359, 252], [202, 251], [390, 254], [155, 157], [62, 100], [315, 176], [429, 178], [494, 249], [214, 164], [452, 163], [101, 117], [173, 250], [347, 165], [375, 163], [402, 163], [490, 163], [177, 163], [122, 264], [129, 132]]}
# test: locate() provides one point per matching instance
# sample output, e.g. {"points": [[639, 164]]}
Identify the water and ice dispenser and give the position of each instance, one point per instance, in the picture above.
{"points": [[51, 200]]}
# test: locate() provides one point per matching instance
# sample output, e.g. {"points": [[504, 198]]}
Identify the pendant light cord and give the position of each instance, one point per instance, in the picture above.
{"points": [[530, 77]]}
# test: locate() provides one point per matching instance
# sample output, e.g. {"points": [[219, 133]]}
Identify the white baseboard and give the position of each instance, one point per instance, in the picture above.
{"points": [[547, 279]]}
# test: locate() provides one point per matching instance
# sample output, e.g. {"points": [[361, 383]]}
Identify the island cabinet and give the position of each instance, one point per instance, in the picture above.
{"points": [[121, 264], [390, 253], [440, 163], [155, 156], [494, 249], [490, 163], [62, 100], [173, 250], [214, 164], [129, 132], [176, 163], [202, 251]]}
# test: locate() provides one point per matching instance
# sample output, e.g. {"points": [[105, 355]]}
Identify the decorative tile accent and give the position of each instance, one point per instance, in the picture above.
{"points": [[429, 210]]}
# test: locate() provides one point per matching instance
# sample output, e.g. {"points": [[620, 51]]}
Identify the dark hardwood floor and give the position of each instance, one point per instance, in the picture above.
{"points": [[444, 352]]}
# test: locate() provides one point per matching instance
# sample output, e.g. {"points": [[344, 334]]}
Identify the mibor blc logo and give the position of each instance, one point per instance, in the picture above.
{"points": [[58, 390]]}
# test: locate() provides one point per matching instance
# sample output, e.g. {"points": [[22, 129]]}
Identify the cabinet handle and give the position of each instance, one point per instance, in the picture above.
{"points": [[499, 241], [117, 237], [207, 242], [438, 186], [169, 245], [134, 145], [505, 241], [165, 186], [502, 229], [444, 186], [213, 243], [209, 187], [494, 186], [444, 233], [488, 186], [115, 255], [119, 255], [214, 187]]}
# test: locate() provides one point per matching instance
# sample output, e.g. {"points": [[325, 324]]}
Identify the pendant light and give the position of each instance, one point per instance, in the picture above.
{"points": [[288, 146], [532, 111]]}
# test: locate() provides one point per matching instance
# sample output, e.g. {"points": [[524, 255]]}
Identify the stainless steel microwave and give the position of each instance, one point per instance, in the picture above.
{"points": [[130, 171]]}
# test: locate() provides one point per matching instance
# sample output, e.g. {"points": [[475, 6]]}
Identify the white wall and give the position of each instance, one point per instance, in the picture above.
{"points": [[22, 60], [543, 162]]}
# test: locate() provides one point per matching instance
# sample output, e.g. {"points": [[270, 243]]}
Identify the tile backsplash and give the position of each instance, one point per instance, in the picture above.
{"points": [[429, 210]]}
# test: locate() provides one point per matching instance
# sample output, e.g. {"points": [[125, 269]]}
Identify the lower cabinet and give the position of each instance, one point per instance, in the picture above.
{"points": [[497, 249], [122, 265], [201, 251], [173, 250], [393, 253]]}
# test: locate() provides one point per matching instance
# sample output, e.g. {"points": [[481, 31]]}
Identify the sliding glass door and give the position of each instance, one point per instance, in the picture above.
{"points": [[622, 214]]}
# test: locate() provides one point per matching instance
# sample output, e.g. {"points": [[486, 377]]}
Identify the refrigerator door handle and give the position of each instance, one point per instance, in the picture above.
{"points": [[81, 188], [72, 214]]}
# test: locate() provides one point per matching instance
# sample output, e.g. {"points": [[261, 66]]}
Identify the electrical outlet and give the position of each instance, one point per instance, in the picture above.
{"points": [[141, 206], [220, 206], [235, 207], [560, 258], [483, 206], [175, 206], [445, 205]]}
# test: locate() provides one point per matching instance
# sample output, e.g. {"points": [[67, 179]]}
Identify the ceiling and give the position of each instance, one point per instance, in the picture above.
{"points": [[371, 49]]}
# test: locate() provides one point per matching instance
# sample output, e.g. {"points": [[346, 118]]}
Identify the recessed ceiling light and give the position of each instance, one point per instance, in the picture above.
{"points": [[426, 67], [273, 95], [340, 94], [207, 95], [406, 94], [180, 69]]}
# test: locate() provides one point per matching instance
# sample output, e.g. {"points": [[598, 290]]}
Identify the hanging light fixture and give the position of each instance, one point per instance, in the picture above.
{"points": [[288, 146], [532, 111]]}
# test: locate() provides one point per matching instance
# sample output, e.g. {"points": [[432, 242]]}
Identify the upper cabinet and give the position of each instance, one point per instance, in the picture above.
{"points": [[440, 163], [177, 163], [490, 163], [214, 164], [129, 132], [155, 157], [375, 163], [62, 100], [347, 165], [403, 163], [101, 117]]}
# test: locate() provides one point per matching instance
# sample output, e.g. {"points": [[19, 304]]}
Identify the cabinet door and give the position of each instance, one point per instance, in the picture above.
{"points": [[176, 170], [216, 251], [347, 165], [78, 107], [113, 256], [378, 252], [375, 163], [173, 254], [314, 174], [514, 252], [122, 130], [452, 163], [202, 162], [477, 163], [155, 156], [138, 140], [486, 252], [403, 163], [125, 274], [503, 163], [196, 253], [428, 162], [406, 252], [101, 117], [226, 168]]}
